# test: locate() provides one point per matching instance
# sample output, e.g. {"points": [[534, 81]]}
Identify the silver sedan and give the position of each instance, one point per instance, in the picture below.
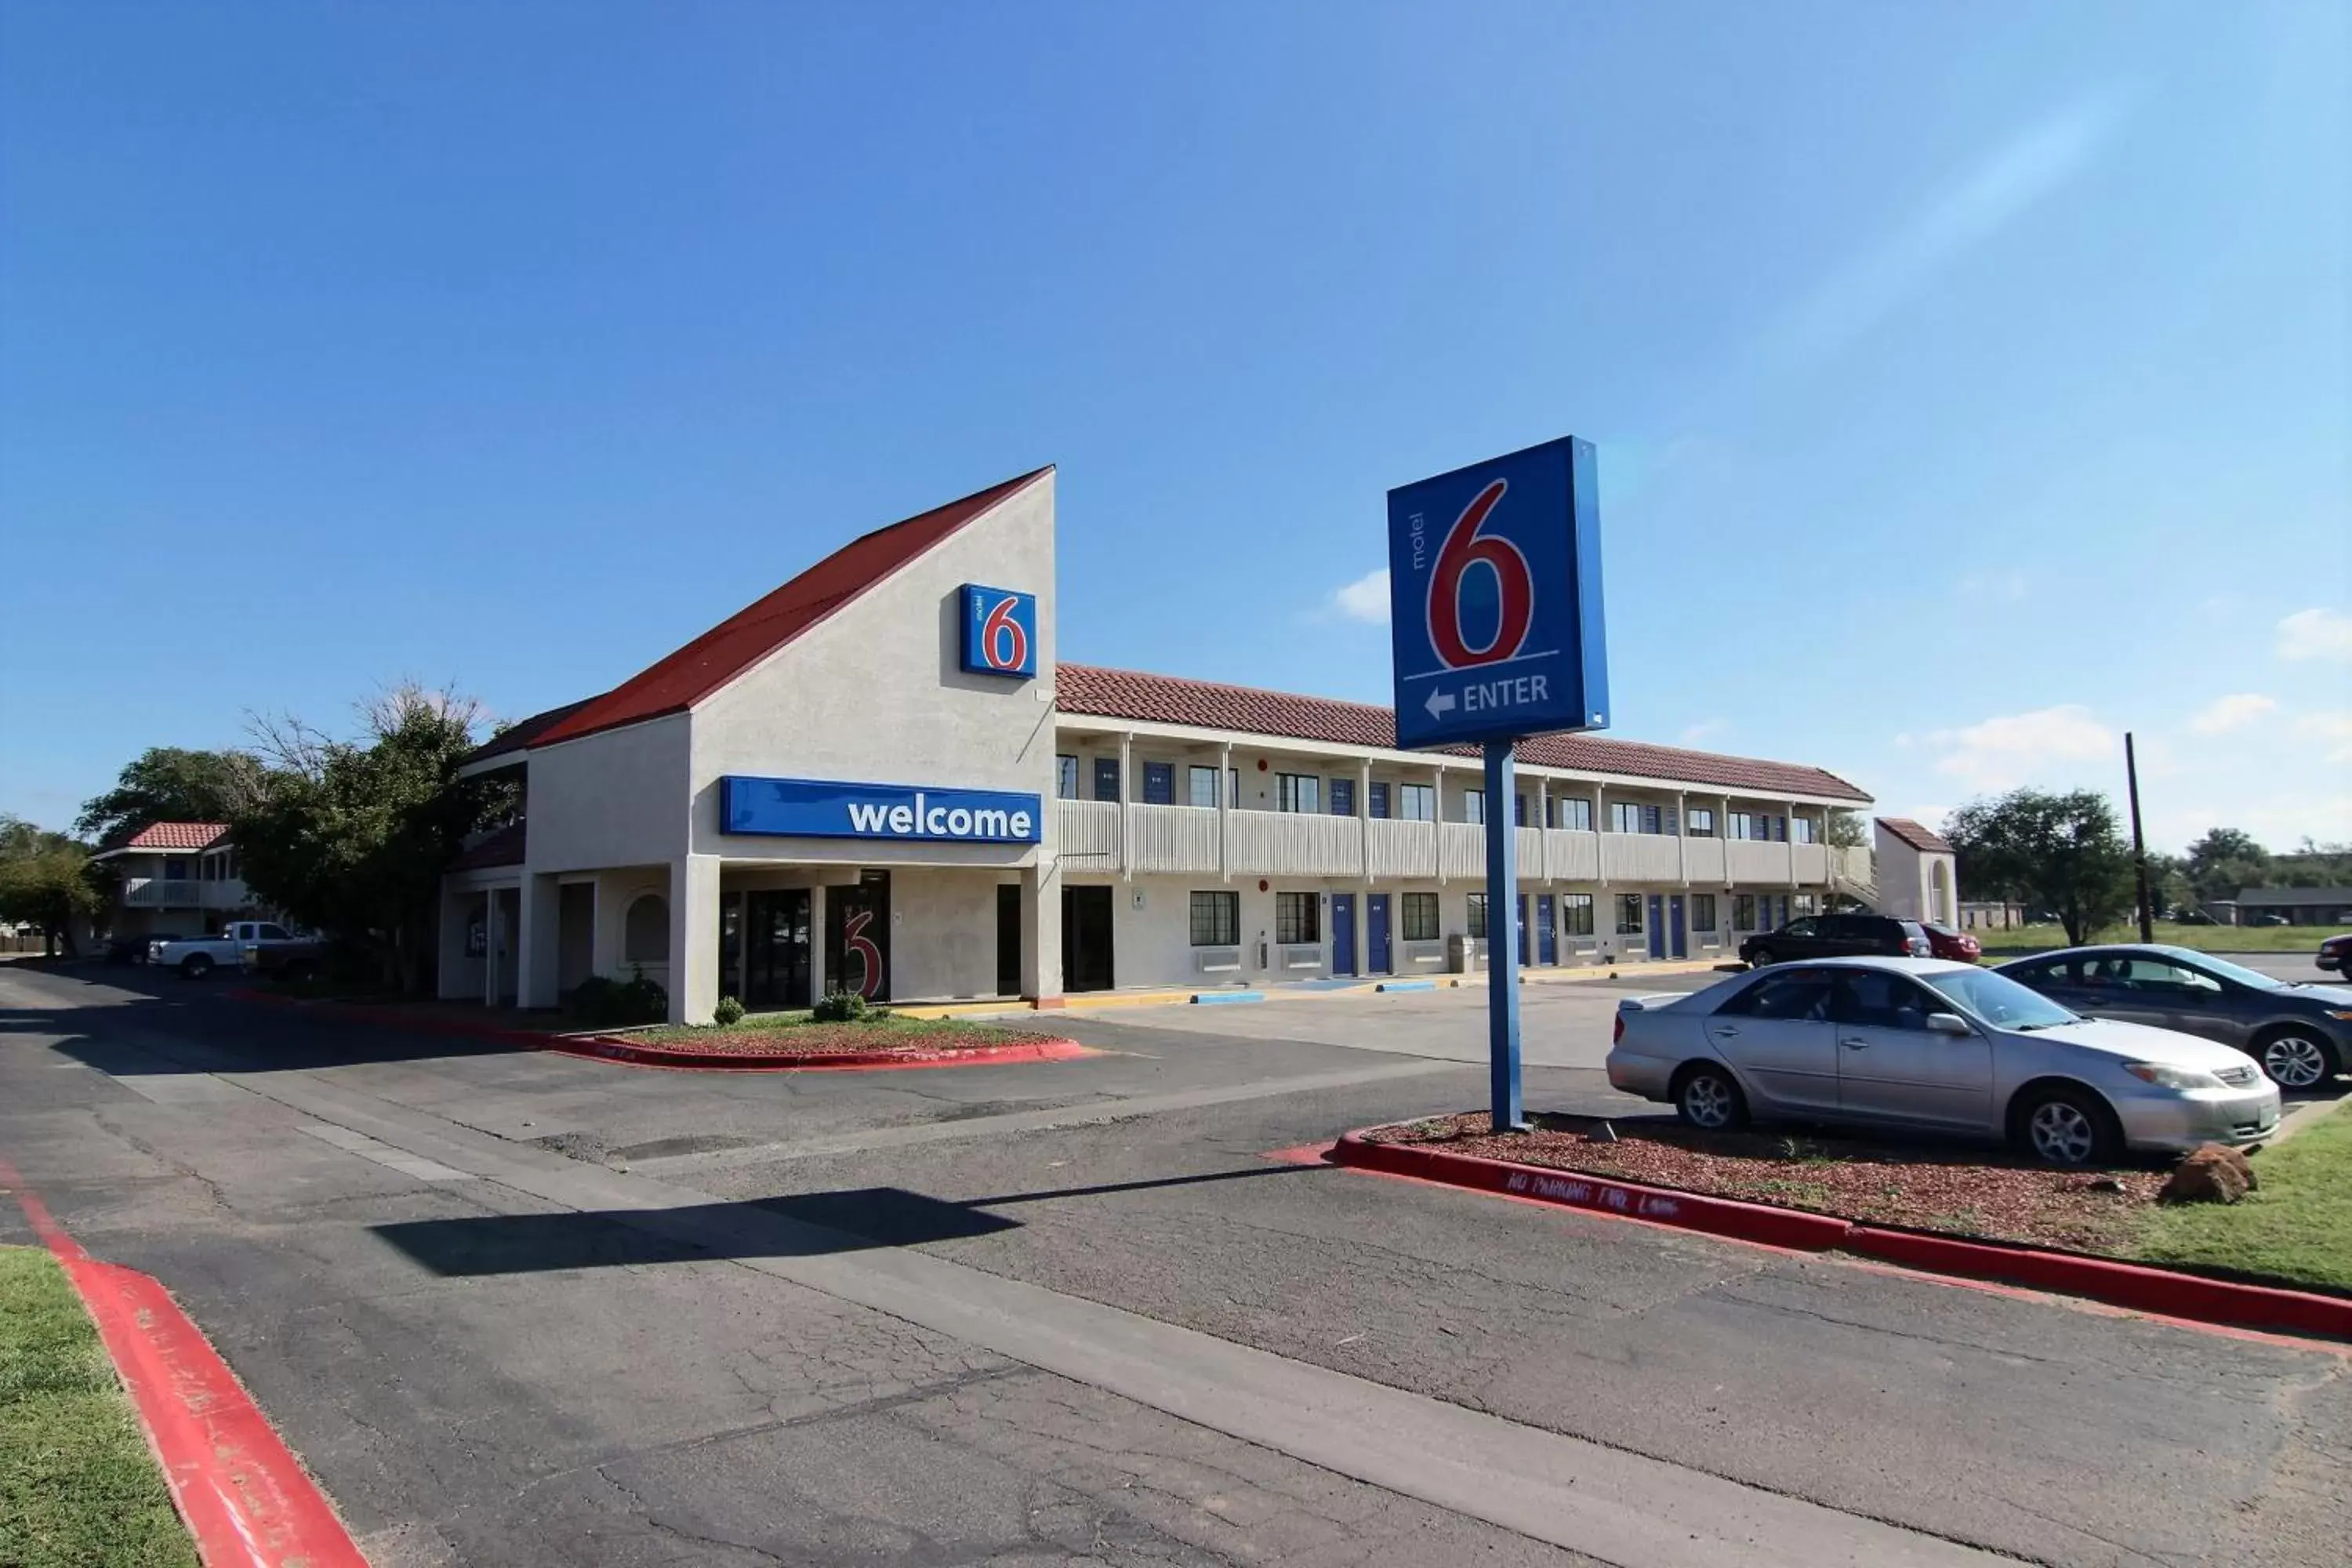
{"points": [[1934, 1046]]}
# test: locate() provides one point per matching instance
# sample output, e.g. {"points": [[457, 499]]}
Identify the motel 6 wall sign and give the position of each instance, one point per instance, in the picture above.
{"points": [[999, 632], [1495, 599]]}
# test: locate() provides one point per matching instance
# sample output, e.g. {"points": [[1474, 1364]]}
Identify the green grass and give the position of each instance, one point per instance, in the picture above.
{"points": [[1999, 943], [78, 1486], [2297, 1226]]}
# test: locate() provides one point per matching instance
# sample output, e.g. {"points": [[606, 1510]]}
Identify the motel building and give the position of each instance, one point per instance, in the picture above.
{"points": [[880, 778]]}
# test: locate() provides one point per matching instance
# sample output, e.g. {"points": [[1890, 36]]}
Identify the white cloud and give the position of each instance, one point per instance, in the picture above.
{"points": [[2315, 634], [1694, 733], [1365, 599], [2012, 748], [2224, 714], [2038, 161], [2332, 728]]}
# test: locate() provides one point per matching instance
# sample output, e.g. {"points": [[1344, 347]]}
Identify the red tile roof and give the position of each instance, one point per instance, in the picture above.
{"points": [[675, 683], [1916, 836], [504, 846], [178, 835], [1087, 691]]}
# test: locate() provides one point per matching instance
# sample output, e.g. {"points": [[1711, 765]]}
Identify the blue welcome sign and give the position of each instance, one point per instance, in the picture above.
{"points": [[827, 809], [1495, 599], [999, 632]]}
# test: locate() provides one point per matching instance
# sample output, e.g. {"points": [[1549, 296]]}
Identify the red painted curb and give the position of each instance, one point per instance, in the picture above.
{"points": [[2135, 1286], [1570, 1189], [611, 1048], [246, 1500], [2138, 1286], [606, 1048]]}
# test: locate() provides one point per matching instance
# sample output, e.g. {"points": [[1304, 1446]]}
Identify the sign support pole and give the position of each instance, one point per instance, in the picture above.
{"points": [[1503, 937]]}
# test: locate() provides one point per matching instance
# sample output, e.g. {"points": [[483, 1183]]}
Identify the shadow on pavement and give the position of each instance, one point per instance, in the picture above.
{"points": [[813, 1225]]}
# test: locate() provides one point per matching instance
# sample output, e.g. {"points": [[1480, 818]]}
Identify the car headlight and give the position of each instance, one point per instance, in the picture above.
{"points": [[2165, 1077]]}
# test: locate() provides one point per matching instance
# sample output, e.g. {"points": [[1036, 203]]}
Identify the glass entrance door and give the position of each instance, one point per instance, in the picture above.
{"points": [[776, 949]]}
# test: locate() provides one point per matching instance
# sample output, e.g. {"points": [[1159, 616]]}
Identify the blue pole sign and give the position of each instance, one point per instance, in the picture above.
{"points": [[1495, 616], [1495, 599]]}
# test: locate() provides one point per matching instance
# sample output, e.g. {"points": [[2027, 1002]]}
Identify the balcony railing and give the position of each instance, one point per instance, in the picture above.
{"points": [[1182, 840], [181, 893]]}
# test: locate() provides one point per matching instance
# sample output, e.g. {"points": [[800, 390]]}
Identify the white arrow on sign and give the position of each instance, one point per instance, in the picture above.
{"points": [[1440, 702]]}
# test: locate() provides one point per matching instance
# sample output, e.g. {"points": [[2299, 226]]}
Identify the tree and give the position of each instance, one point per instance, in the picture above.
{"points": [[45, 881], [352, 836], [2224, 861], [171, 783], [1846, 831], [2058, 852]]}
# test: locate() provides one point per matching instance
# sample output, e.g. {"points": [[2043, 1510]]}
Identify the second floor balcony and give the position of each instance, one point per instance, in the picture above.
{"points": [[183, 893], [1095, 835]]}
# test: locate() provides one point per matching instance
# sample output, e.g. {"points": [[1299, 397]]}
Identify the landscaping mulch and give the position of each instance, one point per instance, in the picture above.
{"points": [[1963, 1190], [834, 1039]]}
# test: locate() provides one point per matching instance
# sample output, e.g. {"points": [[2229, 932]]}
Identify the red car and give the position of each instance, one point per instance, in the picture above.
{"points": [[1943, 942]]}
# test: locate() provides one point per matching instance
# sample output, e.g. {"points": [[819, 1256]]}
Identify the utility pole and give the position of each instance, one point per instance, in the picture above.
{"points": [[2139, 842]]}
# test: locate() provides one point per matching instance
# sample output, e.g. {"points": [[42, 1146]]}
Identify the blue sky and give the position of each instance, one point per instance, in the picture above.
{"points": [[1969, 382]]}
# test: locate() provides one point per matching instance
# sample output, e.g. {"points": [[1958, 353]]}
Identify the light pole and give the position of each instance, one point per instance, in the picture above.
{"points": [[2139, 841]]}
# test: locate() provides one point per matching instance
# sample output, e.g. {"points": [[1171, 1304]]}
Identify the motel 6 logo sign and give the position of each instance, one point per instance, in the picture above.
{"points": [[1495, 599], [999, 632]]}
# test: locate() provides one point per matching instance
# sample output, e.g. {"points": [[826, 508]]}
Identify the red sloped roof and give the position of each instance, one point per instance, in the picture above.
{"points": [[1087, 691], [675, 683], [1919, 837], [178, 835], [524, 733], [504, 846]]}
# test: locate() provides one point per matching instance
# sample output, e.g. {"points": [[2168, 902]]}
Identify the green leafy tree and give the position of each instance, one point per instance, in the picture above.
{"points": [[1846, 830], [351, 836], [2058, 852], [45, 881], [171, 783], [2224, 861]]}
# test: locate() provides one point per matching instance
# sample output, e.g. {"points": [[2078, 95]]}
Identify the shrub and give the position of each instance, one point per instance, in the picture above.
{"points": [[729, 1011], [841, 1007], [602, 1002]]}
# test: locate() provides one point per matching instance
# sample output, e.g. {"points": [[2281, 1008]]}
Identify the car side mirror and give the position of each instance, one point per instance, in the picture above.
{"points": [[1948, 1024]]}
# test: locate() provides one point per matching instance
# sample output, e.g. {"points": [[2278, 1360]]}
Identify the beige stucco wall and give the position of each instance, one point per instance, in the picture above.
{"points": [[612, 799], [875, 694]]}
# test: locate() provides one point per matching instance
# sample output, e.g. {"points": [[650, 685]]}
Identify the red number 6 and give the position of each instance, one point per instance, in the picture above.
{"points": [[855, 940], [1462, 549], [1000, 624]]}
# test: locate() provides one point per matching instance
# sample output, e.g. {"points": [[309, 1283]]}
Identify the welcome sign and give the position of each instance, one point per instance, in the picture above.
{"points": [[827, 809]]}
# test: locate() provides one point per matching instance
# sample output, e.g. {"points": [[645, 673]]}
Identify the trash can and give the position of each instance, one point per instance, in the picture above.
{"points": [[1458, 953]]}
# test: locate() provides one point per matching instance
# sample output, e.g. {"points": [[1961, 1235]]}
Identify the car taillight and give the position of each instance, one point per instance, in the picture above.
{"points": [[1618, 1032]]}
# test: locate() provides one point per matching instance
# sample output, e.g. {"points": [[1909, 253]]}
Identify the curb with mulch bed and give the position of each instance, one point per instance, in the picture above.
{"points": [[748, 1051], [1539, 1175]]}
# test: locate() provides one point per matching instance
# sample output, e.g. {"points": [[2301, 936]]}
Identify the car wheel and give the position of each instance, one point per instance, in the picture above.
{"points": [[1708, 1098], [195, 966], [2296, 1058], [2068, 1127], [1762, 958]]}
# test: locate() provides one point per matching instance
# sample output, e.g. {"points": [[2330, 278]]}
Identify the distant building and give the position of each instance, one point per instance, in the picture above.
{"points": [[1917, 879], [2301, 906], [176, 878]]}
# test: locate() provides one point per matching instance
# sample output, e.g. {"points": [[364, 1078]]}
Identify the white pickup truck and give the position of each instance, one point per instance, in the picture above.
{"points": [[256, 946]]}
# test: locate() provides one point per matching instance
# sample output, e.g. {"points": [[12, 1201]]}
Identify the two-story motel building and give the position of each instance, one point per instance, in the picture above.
{"points": [[826, 791]]}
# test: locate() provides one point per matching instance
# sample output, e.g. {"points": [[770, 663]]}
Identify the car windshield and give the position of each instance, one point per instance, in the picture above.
{"points": [[1999, 1000], [2227, 970]]}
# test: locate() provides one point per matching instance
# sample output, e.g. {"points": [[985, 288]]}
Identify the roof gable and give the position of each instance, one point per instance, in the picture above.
{"points": [[1919, 837], [1089, 691], [177, 835], [675, 683]]}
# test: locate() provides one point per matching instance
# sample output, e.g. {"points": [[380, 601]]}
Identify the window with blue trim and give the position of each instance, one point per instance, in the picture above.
{"points": [[1380, 800], [1106, 778], [1343, 797], [1159, 784]]}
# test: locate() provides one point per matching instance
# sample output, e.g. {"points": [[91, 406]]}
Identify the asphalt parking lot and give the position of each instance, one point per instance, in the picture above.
{"points": [[518, 1308]]}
